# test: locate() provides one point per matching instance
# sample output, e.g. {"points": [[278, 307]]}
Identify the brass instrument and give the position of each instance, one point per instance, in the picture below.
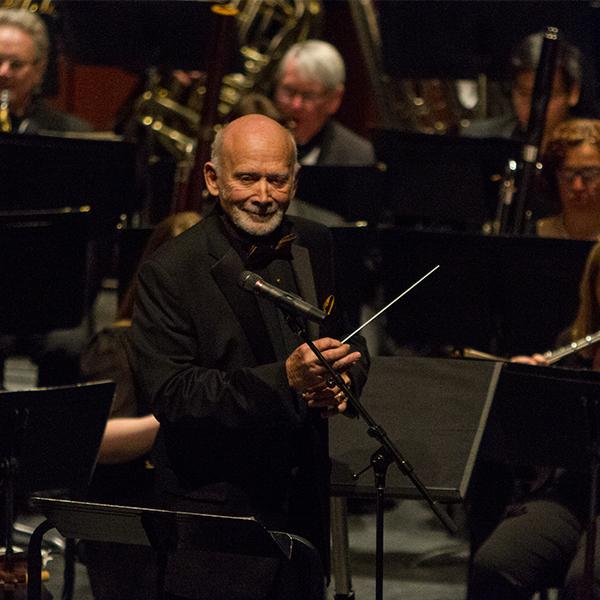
{"points": [[171, 105], [5, 124], [45, 7], [551, 356]]}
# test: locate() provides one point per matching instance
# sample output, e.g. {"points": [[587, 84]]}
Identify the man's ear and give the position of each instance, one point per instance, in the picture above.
{"points": [[574, 94], [294, 185], [210, 178], [334, 100]]}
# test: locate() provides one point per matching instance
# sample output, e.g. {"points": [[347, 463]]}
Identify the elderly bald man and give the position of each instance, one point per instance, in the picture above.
{"points": [[239, 397]]}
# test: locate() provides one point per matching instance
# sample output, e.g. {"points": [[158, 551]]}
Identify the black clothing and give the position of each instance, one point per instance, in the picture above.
{"points": [[41, 118], [339, 146], [209, 356]]}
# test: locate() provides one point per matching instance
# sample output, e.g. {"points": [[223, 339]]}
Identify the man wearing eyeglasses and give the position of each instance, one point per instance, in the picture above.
{"points": [[24, 47], [23, 59], [565, 94], [308, 92]]}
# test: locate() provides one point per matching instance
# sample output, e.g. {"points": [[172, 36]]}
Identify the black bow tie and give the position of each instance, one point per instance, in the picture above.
{"points": [[259, 256]]}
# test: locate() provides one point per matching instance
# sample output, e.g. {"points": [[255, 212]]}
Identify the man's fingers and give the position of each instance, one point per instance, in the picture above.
{"points": [[326, 343], [347, 361], [335, 353]]}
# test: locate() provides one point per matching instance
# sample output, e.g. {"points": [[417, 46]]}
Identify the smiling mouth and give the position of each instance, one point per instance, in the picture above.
{"points": [[260, 216]]}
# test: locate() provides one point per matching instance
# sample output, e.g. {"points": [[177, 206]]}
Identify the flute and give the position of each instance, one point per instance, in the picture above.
{"points": [[551, 356]]}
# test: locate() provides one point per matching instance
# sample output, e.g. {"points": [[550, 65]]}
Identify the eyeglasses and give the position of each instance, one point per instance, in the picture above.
{"points": [[588, 174], [16, 64], [288, 93]]}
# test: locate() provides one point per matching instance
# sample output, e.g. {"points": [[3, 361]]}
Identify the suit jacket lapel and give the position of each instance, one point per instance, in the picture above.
{"points": [[305, 281], [226, 271]]}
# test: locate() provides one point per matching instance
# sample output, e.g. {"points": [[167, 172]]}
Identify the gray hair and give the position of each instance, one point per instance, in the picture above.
{"points": [[527, 55], [216, 150], [31, 24], [316, 59]]}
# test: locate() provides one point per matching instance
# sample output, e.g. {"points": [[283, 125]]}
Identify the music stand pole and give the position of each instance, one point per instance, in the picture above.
{"points": [[381, 459], [9, 469]]}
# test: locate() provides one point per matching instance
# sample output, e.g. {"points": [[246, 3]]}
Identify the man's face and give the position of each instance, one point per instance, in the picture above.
{"points": [[561, 100], [579, 180], [306, 102], [20, 71], [255, 181]]}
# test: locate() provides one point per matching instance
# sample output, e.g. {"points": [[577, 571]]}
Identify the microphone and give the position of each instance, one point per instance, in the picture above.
{"points": [[286, 300]]}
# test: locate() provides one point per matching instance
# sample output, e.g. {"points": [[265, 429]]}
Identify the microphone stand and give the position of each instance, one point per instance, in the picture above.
{"points": [[380, 459]]}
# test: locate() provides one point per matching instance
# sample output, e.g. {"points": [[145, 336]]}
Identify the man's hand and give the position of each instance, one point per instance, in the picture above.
{"points": [[331, 401], [536, 359], [304, 371]]}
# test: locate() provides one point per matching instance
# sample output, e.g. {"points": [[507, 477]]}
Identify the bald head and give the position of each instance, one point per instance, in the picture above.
{"points": [[253, 129], [252, 170]]}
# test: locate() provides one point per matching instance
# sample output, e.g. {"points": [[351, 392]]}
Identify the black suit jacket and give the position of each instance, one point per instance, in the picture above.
{"points": [[232, 431], [343, 147]]}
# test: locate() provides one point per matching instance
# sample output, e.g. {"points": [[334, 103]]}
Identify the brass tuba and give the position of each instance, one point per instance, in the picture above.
{"points": [[45, 7], [170, 106]]}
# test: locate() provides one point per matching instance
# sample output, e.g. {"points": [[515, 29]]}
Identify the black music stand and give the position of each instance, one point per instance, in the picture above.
{"points": [[167, 530], [476, 298], [355, 193], [44, 264], [136, 36], [446, 414], [442, 181], [540, 416], [550, 417], [434, 409], [450, 308], [40, 172], [49, 439]]}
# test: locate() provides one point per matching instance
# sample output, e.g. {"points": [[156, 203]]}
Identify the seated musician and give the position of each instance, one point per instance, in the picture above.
{"points": [[572, 174], [566, 91], [309, 87], [123, 475], [24, 47], [538, 543]]}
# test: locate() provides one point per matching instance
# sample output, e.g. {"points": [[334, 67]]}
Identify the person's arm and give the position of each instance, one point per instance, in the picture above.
{"points": [[190, 358], [176, 346], [127, 439]]}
